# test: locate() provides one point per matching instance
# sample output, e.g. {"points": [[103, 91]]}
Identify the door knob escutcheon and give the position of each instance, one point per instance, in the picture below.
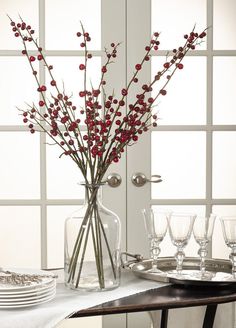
{"points": [[114, 180]]}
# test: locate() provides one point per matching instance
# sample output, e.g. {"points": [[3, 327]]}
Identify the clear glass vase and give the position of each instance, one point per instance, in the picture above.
{"points": [[92, 245]]}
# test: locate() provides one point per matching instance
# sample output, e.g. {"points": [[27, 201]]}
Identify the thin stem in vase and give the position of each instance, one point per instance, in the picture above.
{"points": [[84, 222], [96, 255], [84, 250], [77, 245], [75, 255], [99, 242], [107, 244]]}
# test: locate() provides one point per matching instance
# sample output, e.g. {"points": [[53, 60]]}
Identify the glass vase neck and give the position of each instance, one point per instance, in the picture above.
{"points": [[92, 192]]}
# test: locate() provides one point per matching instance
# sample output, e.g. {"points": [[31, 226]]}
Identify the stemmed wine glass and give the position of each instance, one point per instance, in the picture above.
{"points": [[202, 231], [156, 227], [180, 228], [229, 232]]}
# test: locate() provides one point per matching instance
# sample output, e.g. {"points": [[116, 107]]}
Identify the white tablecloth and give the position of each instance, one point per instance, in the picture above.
{"points": [[68, 301]]}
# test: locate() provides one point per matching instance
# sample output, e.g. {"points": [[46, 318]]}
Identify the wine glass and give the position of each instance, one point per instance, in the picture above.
{"points": [[202, 231], [156, 227], [229, 232], [180, 228]]}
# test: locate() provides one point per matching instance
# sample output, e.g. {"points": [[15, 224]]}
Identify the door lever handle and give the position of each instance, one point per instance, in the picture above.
{"points": [[139, 179]]}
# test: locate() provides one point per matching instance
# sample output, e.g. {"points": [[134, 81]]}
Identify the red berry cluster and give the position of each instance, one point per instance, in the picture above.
{"points": [[16, 28], [109, 128]]}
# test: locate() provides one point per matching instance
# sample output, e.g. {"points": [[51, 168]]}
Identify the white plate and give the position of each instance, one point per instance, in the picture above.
{"points": [[28, 303], [25, 305], [26, 298], [33, 285], [33, 290], [37, 294], [31, 301]]}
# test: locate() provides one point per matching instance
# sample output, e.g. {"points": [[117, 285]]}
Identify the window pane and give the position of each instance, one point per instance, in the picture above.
{"points": [[63, 20], [67, 74], [224, 97], [28, 10], [56, 216], [19, 174], [20, 236], [224, 163], [176, 18], [63, 175], [219, 249], [21, 84], [179, 157], [185, 102], [224, 24]]}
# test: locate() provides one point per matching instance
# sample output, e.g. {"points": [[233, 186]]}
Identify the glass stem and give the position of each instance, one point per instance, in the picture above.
{"points": [[179, 256], [233, 261], [155, 251], [203, 253]]}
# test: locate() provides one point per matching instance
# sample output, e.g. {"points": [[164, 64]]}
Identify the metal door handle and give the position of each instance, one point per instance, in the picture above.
{"points": [[139, 179]]}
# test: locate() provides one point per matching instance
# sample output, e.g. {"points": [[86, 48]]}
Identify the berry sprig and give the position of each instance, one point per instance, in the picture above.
{"points": [[109, 129], [140, 115], [60, 111]]}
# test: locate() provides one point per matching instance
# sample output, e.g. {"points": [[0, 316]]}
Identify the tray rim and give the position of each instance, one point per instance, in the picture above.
{"points": [[184, 282]]}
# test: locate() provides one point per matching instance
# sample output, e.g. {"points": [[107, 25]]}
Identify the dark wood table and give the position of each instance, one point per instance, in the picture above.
{"points": [[165, 298]]}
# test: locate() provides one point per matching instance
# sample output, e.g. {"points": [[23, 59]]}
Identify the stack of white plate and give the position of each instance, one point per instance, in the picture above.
{"points": [[25, 295]]}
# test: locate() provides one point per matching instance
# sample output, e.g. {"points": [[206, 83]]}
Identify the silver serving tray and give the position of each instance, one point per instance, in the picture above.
{"points": [[220, 268]]}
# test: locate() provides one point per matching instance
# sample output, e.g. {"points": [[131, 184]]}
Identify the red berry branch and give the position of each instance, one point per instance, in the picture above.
{"points": [[109, 126], [109, 129]]}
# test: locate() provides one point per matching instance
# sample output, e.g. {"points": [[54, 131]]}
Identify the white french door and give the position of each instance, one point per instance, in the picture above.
{"points": [[38, 190], [192, 146]]}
